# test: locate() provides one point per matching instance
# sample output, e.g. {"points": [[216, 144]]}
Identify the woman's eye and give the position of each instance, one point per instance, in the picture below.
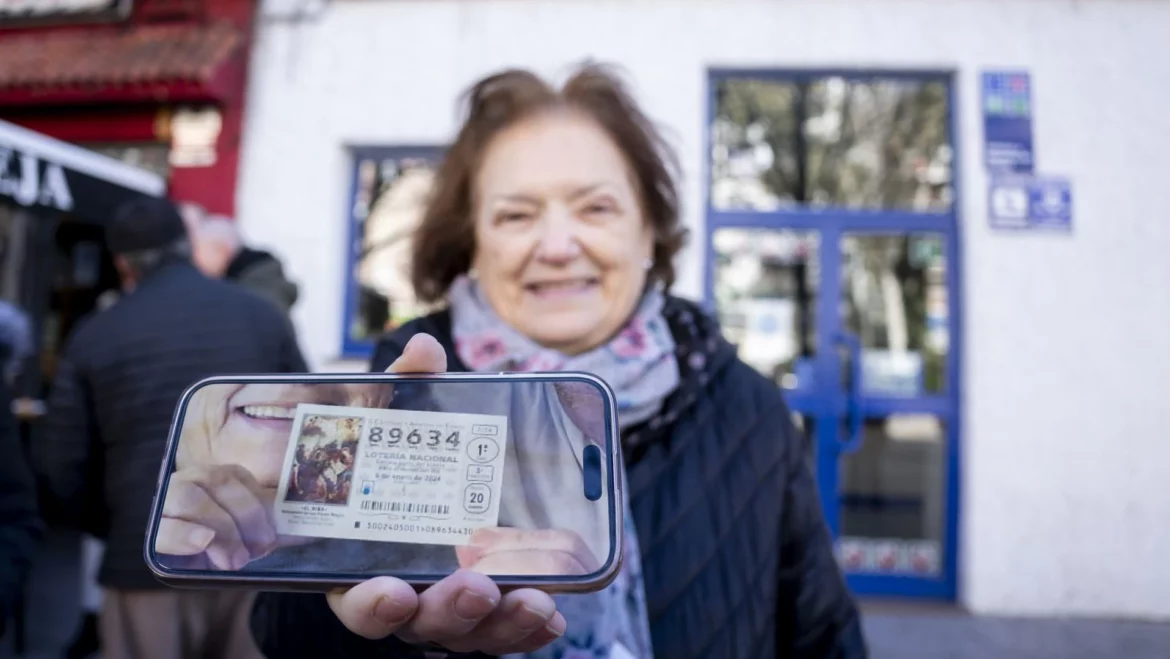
{"points": [[514, 216], [599, 208]]}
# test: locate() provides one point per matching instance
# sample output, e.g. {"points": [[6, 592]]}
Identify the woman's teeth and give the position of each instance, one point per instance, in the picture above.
{"points": [[571, 286], [268, 412]]}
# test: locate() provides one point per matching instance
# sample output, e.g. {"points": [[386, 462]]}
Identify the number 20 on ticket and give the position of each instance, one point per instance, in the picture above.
{"points": [[391, 475]]}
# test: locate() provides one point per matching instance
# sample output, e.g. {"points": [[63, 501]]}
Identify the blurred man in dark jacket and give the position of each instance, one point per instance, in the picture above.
{"points": [[120, 377], [220, 252], [20, 526]]}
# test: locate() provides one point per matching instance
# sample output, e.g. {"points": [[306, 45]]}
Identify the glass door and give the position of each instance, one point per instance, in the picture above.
{"points": [[832, 266], [890, 469]]}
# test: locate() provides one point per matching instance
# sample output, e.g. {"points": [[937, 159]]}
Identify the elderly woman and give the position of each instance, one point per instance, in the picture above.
{"points": [[551, 235]]}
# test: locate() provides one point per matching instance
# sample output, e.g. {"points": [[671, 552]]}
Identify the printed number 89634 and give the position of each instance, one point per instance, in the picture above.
{"points": [[397, 436]]}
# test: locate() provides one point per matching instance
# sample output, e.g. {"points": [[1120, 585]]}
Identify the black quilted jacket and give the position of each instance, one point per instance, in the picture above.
{"points": [[737, 560], [115, 391]]}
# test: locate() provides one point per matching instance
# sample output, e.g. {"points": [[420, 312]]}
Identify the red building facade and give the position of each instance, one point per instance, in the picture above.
{"points": [[156, 83]]}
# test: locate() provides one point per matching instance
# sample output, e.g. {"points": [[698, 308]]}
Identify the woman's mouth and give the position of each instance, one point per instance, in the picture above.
{"points": [[268, 412], [268, 417], [562, 288]]}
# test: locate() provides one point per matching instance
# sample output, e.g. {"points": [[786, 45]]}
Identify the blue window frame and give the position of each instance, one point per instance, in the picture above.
{"points": [[388, 187], [832, 199]]}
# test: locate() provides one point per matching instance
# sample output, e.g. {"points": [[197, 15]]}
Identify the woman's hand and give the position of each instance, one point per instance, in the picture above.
{"points": [[219, 514], [529, 552], [465, 612]]}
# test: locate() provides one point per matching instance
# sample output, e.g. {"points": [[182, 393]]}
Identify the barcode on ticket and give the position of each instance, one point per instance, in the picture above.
{"points": [[401, 507]]}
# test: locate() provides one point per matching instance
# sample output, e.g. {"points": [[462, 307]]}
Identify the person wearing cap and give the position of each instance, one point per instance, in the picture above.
{"points": [[120, 377]]}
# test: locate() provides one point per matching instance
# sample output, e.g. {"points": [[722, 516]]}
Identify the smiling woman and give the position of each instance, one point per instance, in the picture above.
{"points": [[250, 424], [550, 235]]}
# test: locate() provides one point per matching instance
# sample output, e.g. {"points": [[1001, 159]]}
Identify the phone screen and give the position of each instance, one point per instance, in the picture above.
{"points": [[337, 479]]}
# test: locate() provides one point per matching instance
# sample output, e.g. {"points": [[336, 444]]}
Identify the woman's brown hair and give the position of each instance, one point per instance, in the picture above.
{"points": [[444, 242]]}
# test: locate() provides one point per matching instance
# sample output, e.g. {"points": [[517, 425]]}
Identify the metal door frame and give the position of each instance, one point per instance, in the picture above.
{"points": [[827, 403]]}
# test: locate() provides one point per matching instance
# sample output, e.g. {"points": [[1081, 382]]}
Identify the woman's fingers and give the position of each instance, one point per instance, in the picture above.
{"points": [[564, 549], [520, 615], [187, 501], [468, 555], [177, 537], [449, 610], [541, 637], [464, 613], [226, 500], [237, 492], [532, 562], [422, 354], [376, 608]]}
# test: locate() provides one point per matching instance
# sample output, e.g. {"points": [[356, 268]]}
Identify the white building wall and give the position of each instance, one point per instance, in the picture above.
{"points": [[1065, 505]]}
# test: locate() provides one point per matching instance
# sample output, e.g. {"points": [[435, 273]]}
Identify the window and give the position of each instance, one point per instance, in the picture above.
{"points": [[865, 144], [390, 188]]}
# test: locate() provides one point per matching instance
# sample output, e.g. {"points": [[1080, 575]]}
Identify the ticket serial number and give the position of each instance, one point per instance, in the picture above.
{"points": [[417, 528]]}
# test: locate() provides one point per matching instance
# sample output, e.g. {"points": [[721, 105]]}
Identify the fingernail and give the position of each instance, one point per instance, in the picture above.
{"points": [[389, 611], [200, 537], [241, 558], [471, 605], [540, 617], [557, 625]]}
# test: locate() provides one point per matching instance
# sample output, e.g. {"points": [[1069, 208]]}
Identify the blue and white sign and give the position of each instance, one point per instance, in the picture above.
{"points": [[896, 374], [1007, 122], [1025, 202]]}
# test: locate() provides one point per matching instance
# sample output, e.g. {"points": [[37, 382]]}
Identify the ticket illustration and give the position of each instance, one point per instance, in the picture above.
{"points": [[391, 475]]}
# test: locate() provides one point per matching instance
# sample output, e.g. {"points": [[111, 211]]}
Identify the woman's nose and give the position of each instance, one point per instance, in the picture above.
{"points": [[558, 240]]}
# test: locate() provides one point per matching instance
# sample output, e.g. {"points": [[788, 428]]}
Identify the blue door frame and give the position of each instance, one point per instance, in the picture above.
{"points": [[826, 400]]}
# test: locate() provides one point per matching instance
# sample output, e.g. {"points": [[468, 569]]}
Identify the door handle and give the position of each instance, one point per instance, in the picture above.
{"points": [[853, 416]]}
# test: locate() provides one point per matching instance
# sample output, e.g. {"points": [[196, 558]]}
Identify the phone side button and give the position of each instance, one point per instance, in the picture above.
{"points": [[591, 472]]}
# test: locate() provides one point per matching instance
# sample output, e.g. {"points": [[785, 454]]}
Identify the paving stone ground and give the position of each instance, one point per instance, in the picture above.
{"points": [[894, 631], [916, 634]]}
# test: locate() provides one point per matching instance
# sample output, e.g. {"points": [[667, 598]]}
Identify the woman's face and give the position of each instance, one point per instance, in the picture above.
{"points": [[250, 424], [562, 246]]}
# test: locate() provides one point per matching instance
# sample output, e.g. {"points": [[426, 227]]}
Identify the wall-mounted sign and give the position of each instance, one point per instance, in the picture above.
{"points": [[23, 13], [897, 374], [1007, 122], [1028, 202], [39, 172], [194, 134], [29, 181]]}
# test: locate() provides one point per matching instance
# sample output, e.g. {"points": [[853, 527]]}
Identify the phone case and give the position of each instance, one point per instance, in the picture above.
{"points": [[314, 482]]}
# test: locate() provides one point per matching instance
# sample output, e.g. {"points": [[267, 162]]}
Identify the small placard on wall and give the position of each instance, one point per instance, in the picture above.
{"points": [[1007, 122], [1030, 202]]}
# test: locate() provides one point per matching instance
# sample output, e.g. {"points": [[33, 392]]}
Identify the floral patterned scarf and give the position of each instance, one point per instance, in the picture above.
{"points": [[639, 363]]}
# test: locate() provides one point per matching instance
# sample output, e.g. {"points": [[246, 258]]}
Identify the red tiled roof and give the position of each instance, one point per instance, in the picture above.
{"points": [[141, 54]]}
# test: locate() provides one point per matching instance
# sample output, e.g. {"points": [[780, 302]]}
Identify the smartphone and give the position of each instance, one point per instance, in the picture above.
{"points": [[314, 482]]}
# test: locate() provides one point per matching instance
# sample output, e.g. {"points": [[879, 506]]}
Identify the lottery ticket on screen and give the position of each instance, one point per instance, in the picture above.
{"points": [[391, 475]]}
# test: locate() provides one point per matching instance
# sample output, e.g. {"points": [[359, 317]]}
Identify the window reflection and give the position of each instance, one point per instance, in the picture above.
{"points": [[390, 195], [765, 292], [880, 143], [894, 300], [893, 496]]}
